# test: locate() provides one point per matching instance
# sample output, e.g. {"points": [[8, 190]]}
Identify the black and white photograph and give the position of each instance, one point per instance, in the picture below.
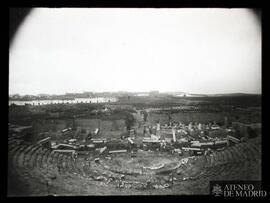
{"points": [[134, 102]]}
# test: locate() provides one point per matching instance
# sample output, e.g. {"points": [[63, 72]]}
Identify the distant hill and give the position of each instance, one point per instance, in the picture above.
{"points": [[232, 95], [182, 94]]}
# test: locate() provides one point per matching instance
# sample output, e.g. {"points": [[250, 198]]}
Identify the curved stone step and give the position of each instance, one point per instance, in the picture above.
{"points": [[239, 164], [26, 153], [13, 141], [235, 167], [39, 157], [50, 158], [216, 155], [35, 157], [216, 158], [253, 155], [111, 173], [245, 170], [64, 164], [245, 144], [11, 146], [208, 160], [201, 162], [87, 166], [17, 154], [60, 163], [237, 152], [44, 158], [248, 151], [21, 156], [234, 171], [229, 155], [210, 173], [75, 167], [40, 166], [101, 170], [86, 169], [14, 150], [239, 147], [224, 169], [215, 173], [203, 159], [226, 157], [71, 166], [11, 138], [256, 147], [52, 163], [235, 155], [55, 160], [212, 160], [223, 157], [29, 160], [79, 165]]}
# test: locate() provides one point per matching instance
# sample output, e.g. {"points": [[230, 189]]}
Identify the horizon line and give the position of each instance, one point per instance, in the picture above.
{"points": [[122, 91]]}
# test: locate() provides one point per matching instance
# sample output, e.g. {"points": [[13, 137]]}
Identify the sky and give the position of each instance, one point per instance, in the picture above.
{"points": [[205, 51]]}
